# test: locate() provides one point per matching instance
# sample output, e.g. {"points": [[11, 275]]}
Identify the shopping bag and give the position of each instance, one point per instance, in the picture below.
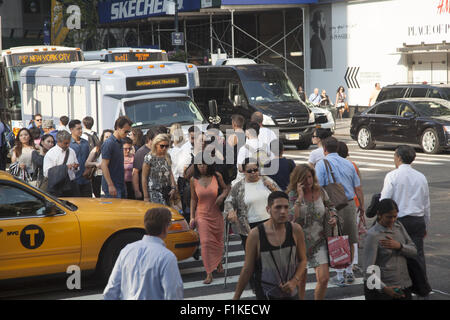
{"points": [[339, 251]]}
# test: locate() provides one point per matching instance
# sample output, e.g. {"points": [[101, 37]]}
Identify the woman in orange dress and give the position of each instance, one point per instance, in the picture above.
{"points": [[207, 216]]}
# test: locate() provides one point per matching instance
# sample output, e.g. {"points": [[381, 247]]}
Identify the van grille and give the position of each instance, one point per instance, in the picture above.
{"points": [[297, 121]]}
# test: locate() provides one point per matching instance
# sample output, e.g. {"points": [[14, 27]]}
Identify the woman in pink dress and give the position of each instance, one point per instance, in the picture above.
{"points": [[128, 158], [208, 192]]}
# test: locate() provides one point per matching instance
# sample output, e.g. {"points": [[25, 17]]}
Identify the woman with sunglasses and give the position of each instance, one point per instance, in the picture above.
{"points": [[245, 207], [37, 158], [208, 191], [311, 208], [318, 135], [158, 183]]}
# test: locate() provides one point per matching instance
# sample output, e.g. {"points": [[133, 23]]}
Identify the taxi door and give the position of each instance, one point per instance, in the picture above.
{"points": [[33, 239]]}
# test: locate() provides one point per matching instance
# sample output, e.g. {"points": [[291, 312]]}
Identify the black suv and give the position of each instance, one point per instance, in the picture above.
{"points": [[396, 91]]}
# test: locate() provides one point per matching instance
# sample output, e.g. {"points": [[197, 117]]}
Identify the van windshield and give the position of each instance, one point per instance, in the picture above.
{"points": [[265, 85], [162, 112]]}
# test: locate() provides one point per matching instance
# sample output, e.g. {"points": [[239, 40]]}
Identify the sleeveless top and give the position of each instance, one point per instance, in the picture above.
{"points": [[275, 265]]}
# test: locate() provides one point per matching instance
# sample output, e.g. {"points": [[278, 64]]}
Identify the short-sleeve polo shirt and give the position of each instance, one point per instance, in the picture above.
{"points": [[112, 150]]}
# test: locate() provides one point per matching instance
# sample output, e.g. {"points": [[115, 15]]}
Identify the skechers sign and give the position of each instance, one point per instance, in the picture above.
{"points": [[122, 10]]}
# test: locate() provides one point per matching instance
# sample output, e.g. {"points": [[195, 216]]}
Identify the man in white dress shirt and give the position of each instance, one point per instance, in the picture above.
{"points": [[146, 269], [265, 135], [409, 189], [55, 157]]}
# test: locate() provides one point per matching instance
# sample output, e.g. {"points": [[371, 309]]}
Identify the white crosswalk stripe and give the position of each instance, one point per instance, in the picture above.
{"points": [[373, 160]]}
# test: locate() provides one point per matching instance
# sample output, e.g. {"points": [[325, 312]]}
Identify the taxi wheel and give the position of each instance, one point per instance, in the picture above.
{"points": [[111, 250]]}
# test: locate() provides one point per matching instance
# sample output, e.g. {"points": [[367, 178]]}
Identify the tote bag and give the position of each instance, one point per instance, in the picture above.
{"points": [[339, 250], [336, 191]]}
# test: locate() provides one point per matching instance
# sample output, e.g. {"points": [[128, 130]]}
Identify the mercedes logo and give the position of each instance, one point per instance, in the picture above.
{"points": [[292, 120]]}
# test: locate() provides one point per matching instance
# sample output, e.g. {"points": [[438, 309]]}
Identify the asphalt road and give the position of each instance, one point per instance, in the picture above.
{"points": [[374, 164]]}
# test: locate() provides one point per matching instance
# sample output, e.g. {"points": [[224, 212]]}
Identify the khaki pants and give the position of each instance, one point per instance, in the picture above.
{"points": [[350, 227]]}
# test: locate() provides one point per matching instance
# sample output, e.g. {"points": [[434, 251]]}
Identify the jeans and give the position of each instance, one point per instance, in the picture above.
{"points": [[121, 190]]}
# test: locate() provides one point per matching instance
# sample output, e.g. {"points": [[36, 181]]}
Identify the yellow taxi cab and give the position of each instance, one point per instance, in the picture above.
{"points": [[41, 234]]}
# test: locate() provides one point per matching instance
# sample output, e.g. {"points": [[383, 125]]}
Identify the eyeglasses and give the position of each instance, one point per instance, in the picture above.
{"points": [[38, 120], [315, 136], [163, 146], [252, 170], [127, 149]]}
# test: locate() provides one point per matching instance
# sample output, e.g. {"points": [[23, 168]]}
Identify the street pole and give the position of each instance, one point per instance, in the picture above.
{"points": [[176, 22]]}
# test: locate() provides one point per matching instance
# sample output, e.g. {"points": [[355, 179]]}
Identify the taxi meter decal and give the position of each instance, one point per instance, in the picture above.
{"points": [[156, 82], [32, 236]]}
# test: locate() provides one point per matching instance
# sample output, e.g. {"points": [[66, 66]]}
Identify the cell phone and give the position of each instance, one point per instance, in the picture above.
{"points": [[398, 291]]}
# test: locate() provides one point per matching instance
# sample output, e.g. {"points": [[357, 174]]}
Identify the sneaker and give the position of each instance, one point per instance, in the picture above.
{"points": [[349, 278], [338, 282]]}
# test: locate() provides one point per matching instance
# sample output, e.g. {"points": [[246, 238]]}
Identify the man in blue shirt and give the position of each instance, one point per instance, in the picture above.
{"points": [[81, 148], [345, 173], [146, 269], [113, 181]]}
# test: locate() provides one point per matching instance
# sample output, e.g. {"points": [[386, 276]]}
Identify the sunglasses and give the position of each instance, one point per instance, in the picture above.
{"points": [[315, 136], [252, 170], [38, 120], [163, 146]]}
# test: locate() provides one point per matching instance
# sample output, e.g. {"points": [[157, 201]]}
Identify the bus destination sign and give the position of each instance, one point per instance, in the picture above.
{"points": [[136, 56], [25, 59], [156, 82]]}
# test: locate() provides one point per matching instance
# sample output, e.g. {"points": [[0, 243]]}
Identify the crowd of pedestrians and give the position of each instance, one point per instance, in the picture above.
{"points": [[283, 217]]}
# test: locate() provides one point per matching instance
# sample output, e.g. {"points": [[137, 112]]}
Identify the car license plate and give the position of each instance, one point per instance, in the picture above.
{"points": [[292, 136]]}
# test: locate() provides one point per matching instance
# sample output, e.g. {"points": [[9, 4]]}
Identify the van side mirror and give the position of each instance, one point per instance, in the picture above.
{"points": [[8, 92], [237, 101], [212, 104]]}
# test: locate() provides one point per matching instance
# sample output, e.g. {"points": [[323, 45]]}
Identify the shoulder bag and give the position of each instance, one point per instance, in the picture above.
{"points": [[335, 191], [58, 178]]}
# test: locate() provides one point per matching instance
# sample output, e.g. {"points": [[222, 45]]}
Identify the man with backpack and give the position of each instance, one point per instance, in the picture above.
{"points": [[88, 134]]}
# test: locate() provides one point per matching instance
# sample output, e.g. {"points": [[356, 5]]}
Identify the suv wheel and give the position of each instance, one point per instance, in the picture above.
{"points": [[430, 141], [364, 138]]}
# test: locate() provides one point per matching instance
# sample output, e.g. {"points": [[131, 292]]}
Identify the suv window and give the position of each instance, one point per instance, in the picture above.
{"points": [[434, 93], [16, 203], [418, 92], [403, 108], [388, 108], [391, 93]]}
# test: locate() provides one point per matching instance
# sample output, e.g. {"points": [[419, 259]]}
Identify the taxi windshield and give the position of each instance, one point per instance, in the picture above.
{"points": [[162, 112], [434, 109]]}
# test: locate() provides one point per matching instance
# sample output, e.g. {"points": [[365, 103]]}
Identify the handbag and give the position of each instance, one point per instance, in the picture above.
{"points": [[335, 191], [339, 250], [58, 178], [89, 172], [373, 206], [14, 168]]}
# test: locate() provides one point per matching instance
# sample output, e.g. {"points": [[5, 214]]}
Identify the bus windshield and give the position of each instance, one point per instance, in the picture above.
{"points": [[162, 112]]}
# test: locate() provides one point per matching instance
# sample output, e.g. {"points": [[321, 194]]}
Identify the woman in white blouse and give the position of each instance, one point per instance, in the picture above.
{"points": [[318, 136]]}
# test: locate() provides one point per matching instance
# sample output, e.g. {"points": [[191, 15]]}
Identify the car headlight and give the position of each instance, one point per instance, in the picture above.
{"points": [[312, 117], [267, 121]]}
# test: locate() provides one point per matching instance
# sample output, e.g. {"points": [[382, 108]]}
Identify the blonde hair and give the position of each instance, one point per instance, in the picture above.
{"points": [[177, 133], [162, 137], [299, 175]]}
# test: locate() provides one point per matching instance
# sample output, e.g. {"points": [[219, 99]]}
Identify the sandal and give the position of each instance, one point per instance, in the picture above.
{"points": [[220, 268], [208, 279]]}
